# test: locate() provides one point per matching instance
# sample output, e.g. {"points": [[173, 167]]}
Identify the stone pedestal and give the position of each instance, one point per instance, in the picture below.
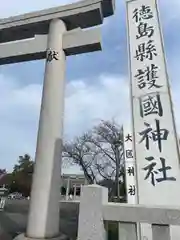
{"points": [[23, 237]]}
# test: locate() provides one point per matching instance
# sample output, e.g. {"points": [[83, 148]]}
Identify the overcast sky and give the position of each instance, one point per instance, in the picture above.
{"points": [[96, 83]]}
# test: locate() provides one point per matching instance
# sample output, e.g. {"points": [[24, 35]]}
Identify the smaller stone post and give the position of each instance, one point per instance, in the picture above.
{"points": [[75, 192], [91, 225], [81, 189], [67, 189]]}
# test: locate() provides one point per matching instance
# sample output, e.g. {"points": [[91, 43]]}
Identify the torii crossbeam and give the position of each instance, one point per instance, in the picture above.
{"points": [[52, 34]]}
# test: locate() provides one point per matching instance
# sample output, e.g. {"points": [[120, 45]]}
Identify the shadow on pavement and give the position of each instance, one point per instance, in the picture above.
{"points": [[13, 219]]}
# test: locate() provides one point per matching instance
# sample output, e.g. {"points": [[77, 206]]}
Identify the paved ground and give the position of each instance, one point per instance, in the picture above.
{"points": [[14, 219]]}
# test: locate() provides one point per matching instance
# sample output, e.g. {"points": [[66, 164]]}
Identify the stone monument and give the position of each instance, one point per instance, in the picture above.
{"points": [[52, 34], [155, 140]]}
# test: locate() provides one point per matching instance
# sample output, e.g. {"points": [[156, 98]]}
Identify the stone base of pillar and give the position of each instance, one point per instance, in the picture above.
{"points": [[23, 237]]}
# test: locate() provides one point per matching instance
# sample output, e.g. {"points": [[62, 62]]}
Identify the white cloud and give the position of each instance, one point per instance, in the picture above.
{"points": [[86, 104], [19, 111]]}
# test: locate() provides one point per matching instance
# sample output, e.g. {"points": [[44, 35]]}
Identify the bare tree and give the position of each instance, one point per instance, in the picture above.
{"points": [[99, 153], [108, 137], [78, 152]]}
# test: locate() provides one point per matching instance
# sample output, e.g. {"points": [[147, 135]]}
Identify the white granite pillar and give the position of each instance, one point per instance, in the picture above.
{"points": [[43, 221], [75, 192], [67, 189]]}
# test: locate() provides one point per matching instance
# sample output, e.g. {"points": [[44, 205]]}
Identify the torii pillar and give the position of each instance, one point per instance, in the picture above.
{"points": [[52, 34]]}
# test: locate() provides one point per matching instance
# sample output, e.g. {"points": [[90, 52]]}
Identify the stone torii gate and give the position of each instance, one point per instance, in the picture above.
{"points": [[52, 34]]}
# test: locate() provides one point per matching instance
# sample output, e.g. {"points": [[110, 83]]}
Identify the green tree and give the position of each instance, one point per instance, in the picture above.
{"points": [[21, 178]]}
